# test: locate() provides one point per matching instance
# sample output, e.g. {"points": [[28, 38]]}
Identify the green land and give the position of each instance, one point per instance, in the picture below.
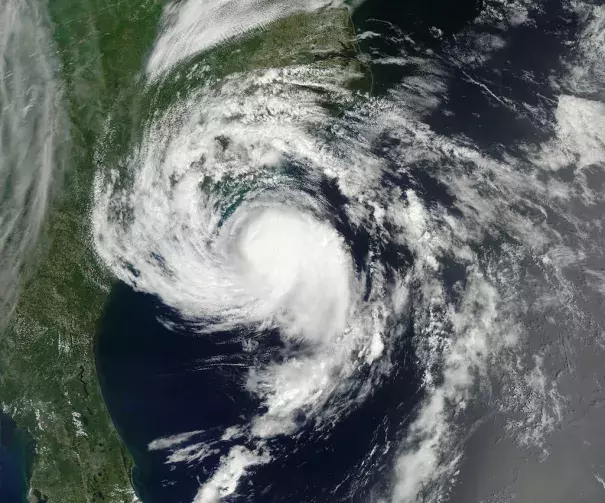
{"points": [[48, 382]]}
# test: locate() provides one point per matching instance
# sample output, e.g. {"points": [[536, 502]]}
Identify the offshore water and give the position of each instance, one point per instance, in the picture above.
{"points": [[16, 456]]}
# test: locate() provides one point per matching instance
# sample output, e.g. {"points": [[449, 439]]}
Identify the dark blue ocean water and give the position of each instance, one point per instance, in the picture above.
{"points": [[16, 450], [11, 477], [159, 382], [156, 382]]}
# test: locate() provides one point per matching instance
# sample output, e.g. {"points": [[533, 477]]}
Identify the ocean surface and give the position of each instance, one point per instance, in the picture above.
{"points": [[158, 382], [161, 379], [436, 251], [16, 455]]}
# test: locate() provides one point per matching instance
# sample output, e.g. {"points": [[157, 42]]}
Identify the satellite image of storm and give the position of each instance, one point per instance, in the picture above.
{"points": [[302, 251]]}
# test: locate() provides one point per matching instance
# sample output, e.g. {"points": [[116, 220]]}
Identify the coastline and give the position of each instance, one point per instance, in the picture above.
{"points": [[16, 458]]}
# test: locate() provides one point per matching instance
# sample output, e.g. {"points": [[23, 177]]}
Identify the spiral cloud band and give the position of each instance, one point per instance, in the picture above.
{"points": [[279, 201]]}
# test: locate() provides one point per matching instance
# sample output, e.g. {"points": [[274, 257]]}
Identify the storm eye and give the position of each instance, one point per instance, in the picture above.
{"points": [[300, 417]]}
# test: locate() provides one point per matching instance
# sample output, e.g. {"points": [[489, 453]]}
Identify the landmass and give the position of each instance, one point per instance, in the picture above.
{"points": [[48, 382]]}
